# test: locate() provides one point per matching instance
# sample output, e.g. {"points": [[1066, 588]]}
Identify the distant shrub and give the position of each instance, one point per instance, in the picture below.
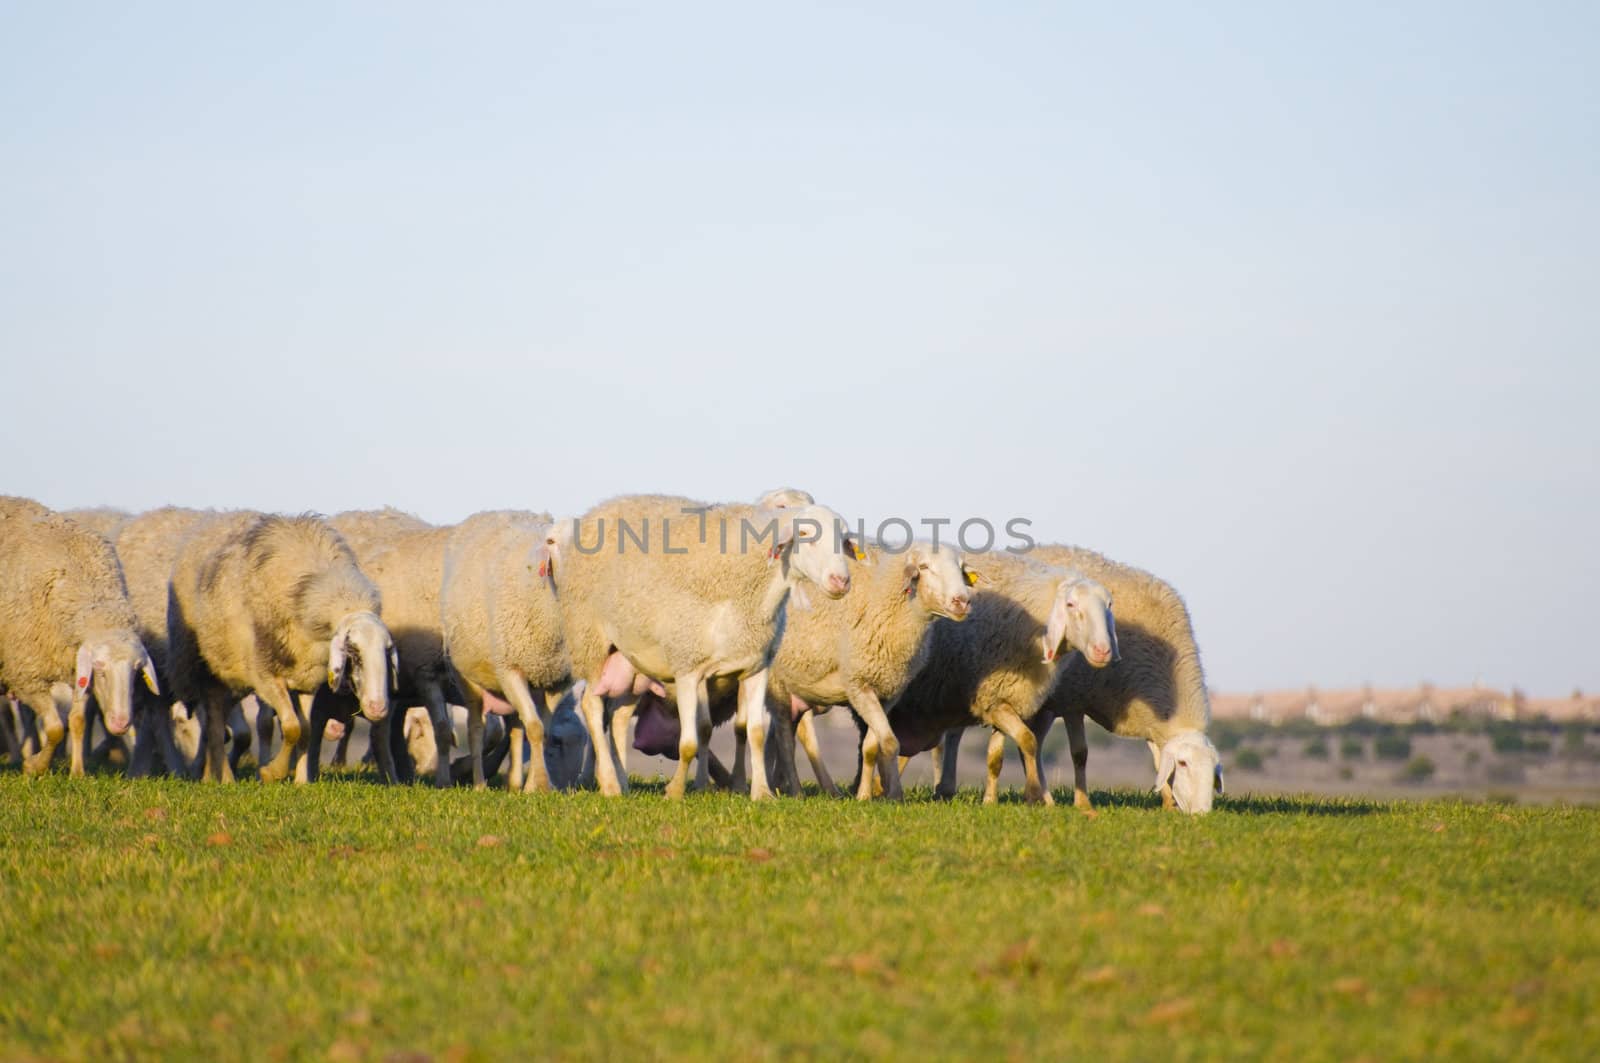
{"points": [[1572, 740], [1248, 759], [1500, 797], [1317, 748], [1473, 756], [1424, 727], [1507, 772], [1346, 774], [1538, 746], [1507, 740], [1226, 739], [1352, 749], [1418, 770], [1391, 746]]}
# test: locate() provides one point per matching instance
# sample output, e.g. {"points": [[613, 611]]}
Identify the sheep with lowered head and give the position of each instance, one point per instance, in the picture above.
{"points": [[864, 649], [674, 589], [277, 606], [502, 628], [999, 666], [1156, 692], [65, 619], [404, 557]]}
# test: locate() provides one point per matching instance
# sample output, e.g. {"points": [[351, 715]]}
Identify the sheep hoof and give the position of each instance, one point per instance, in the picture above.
{"points": [[37, 764], [1080, 800], [675, 790]]}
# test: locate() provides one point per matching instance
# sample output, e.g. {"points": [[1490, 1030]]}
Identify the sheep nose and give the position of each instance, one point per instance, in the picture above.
{"points": [[1100, 652], [959, 605], [837, 583]]}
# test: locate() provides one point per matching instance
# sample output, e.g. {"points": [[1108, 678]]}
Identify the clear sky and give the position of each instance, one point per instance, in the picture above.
{"points": [[1296, 305]]}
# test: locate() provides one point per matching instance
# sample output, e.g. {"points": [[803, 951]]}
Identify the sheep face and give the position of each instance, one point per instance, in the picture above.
{"points": [[1189, 765], [565, 743], [362, 655], [819, 546], [109, 667], [1080, 619], [940, 580]]}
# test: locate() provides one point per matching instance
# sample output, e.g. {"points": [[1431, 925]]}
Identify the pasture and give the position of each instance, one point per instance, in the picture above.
{"points": [[157, 919]]}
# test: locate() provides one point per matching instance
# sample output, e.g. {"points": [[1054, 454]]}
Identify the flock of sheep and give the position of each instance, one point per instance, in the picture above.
{"points": [[186, 633]]}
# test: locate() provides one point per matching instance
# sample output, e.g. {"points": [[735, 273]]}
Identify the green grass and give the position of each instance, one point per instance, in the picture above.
{"points": [[348, 921]]}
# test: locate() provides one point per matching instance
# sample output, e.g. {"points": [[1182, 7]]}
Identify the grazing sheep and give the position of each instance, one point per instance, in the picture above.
{"points": [[1001, 663], [864, 649], [404, 557], [700, 595], [274, 605], [146, 546], [65, 618], [502, 630], [1156, 692]]}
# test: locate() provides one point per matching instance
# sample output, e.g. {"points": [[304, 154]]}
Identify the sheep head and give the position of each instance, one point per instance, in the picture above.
{"points": [[362, 655], [106, 668], [938, 578], [1189, 766], [1080, 619]]}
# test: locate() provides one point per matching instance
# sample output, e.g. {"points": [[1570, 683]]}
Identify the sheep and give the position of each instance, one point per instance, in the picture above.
{"points": [[404, 557], [502, 630], [64, 612], [990, 668], [701, 595], [274, 605], [146, 546], [1157, 692], [864, 649]]}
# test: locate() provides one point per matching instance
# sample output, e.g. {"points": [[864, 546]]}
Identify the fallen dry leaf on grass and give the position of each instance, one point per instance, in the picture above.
{"points": [[760, 856], [1169, 1011], [1350, 986], [1100, 976], [488, 841], [1155, 911], [155, 812], [865, 965], [222, 837]]}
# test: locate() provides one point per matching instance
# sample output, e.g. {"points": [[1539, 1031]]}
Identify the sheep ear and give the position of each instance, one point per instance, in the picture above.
{"points": [[80, 685], [1055, 629], [1217, 781], [971, 575], [1168, 768], [798, 598], [911, 577], [338, 657], [1111, 630], [549, 551], [147, 670], [394, 668], [853, 549]]}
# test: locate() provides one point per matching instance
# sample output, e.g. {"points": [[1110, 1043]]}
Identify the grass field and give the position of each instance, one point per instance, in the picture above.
{"points": [[348, 921]]}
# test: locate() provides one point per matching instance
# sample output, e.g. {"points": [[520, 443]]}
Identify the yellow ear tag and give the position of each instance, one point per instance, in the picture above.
{"points": [[860, 554], [972, 578]]}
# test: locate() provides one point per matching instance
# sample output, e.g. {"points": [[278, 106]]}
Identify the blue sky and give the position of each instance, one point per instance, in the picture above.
{"points": [[1293, 305]]}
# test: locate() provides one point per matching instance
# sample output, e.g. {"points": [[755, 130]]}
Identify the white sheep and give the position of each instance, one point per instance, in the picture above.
{"points": [[277, 606], [65, 618], [1156, 692], [404, 557], [502, 630], [999, 665], [863, 650], [700, 595]]}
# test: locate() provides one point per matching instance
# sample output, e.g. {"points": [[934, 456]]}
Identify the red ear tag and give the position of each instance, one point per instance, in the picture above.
{"points": [[544, 569], [83, 682]]}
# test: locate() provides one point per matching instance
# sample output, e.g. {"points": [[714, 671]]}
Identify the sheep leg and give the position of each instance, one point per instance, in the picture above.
{"points": [[1079, 741], [78, 734], [621, 717], [439, 714], [289, 721], [314, 711], [46, 716], [753, 707], [341, 749], [217, 768], [382, 745], [8, 732], [605, 758], [995, 760], [1164, 785], [691, 708], [473, 695], [534, 713], [740, 782], [870, 709], [806, 732], [785, 773], [721, 777], [516, 775], [1017, 730], [945, 756], [869, 766], [1039, 726]]}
